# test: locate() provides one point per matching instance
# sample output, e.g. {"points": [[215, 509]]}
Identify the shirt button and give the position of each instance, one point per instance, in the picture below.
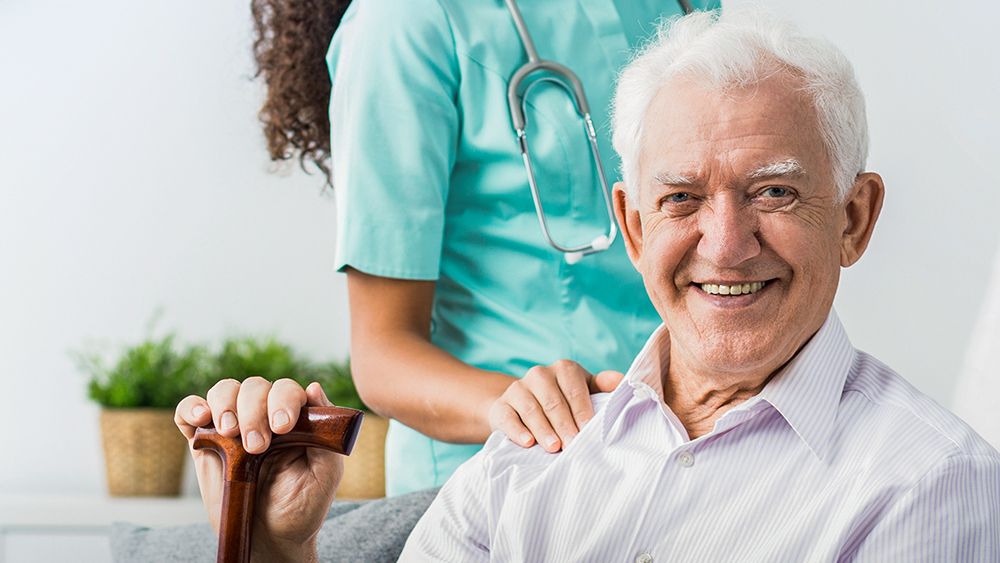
{"points": [[686, 459], [644, 558], [640, 393]]}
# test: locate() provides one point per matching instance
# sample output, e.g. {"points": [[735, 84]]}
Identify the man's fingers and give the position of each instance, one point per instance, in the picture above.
{"points": [[284, 401], [606, 381], [316, 397], [191, 412], [251, 410], [222, 401]]}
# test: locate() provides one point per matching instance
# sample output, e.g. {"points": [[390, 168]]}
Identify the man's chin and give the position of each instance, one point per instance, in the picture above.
{"points": [[733, 351]]}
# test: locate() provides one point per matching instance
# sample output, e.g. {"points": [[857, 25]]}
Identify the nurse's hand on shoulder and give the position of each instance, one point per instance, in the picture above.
{"points": [[550, 405], [296, 485]]}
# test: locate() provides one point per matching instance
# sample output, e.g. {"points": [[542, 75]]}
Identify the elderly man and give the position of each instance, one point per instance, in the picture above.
{"points": [[749, 428]]}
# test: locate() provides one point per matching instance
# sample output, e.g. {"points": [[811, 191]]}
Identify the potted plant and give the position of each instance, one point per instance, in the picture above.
{"points": [[144, 453], [364, 469]]}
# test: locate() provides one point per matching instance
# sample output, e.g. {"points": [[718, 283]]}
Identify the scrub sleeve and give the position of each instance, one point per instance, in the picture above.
{"points": [[430, 185]]}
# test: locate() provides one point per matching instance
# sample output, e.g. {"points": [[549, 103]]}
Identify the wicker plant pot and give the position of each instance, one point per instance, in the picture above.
{"points": [[364, 469], [143, 452]]}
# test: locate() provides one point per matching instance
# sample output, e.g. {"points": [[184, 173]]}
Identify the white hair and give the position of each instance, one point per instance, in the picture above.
{"points": [[738, 49]]}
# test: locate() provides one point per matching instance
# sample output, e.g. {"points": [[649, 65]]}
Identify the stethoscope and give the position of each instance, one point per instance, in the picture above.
{"points": [[572, 85]]}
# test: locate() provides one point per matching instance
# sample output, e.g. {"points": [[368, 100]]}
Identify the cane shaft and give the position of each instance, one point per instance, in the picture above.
{"points": [[236, 521]]}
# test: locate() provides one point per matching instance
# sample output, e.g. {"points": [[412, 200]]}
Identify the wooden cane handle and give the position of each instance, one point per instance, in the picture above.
{"points": [[331, 428]]}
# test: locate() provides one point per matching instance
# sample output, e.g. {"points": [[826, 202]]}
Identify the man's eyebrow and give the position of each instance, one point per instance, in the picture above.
{"points": [[671, 179], [788, 167]]}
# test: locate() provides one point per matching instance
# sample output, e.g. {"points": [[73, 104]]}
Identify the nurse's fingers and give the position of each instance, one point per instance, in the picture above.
{"points": [[251, 411], [503, 417], [519, 415], [531, 413], [606, 381], [575, 384], [561, 390], [284, 401]]}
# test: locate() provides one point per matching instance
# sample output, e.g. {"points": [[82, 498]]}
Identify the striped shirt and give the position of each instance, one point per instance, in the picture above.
{"points": [[837, 459]]}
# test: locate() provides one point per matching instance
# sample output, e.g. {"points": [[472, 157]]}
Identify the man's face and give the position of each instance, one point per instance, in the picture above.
{"points": [[737, 231]]}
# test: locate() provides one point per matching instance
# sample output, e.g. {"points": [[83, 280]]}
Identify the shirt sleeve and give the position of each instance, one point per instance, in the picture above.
{"points": [[394, 128], [952, 514], [456, 527]]}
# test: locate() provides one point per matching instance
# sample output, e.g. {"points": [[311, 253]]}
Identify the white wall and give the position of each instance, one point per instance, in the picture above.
{"points": [[133, 176]]}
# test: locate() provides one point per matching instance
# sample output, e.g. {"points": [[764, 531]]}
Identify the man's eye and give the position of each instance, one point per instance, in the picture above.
{"points": [[679, 197], [775, 192]]}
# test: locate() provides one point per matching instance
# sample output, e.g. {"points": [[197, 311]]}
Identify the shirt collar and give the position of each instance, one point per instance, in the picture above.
{"points": [[806, 392], [651, 361], [644, 371]]}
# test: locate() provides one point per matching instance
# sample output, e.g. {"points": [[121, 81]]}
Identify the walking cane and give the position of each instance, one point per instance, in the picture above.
{"points": [[331, 428]]}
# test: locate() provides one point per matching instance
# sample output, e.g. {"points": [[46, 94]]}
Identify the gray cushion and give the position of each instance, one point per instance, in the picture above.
{"points": [[372, 531]]}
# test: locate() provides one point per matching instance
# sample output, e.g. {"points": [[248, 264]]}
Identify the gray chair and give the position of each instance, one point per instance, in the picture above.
{"points": [[372, 531]]}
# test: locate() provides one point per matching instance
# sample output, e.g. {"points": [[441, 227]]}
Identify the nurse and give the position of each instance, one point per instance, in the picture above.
{"points": [[464, 319]]}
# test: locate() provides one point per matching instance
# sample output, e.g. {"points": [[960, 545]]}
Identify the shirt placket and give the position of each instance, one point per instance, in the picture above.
{"points": [[682, 458]]}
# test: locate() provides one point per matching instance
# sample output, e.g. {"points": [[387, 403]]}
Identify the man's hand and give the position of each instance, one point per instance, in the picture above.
{"points": [[296, 485], [550, 404]]}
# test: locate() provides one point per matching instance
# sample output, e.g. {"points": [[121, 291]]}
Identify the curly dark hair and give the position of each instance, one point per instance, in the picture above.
{"points": [[292, 38]]}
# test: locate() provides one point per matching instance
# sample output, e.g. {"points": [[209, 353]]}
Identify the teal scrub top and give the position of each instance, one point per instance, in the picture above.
{"points": [[430, 185]]}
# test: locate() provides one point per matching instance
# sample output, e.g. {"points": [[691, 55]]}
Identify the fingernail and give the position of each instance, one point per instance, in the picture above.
{"points": [[526, 438], [228, 421], [280, 419], [551, 441], [254, 440], [569, 439], [198, 411]]}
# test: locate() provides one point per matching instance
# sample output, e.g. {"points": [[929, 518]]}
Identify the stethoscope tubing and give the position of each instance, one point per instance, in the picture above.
{"points": [[517, 105]]}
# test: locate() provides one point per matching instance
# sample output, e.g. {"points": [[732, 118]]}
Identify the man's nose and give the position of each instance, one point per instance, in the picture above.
{"points": [[728, 233]]}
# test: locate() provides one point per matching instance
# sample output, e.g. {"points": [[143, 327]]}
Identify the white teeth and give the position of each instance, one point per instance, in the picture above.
{"points": [[713, 289]]}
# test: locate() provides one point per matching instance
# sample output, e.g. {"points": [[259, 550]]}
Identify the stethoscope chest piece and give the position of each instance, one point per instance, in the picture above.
{"points": [[529, 75]]}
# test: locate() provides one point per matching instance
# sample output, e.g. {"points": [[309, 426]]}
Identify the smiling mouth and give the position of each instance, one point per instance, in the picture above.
{"points": [[739, 289]]}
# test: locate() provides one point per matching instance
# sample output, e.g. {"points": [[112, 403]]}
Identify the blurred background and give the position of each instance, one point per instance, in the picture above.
{"points": [[133, 177]]}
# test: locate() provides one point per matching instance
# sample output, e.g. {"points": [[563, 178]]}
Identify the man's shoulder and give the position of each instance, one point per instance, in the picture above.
{"points": [[892, 409]]}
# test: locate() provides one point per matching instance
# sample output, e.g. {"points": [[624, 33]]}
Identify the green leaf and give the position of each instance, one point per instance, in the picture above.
{"points": [[151, 374], [157, 373]]}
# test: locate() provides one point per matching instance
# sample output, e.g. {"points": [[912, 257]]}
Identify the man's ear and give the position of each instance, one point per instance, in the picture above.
{"points": [[863, 205], [628, 223]]}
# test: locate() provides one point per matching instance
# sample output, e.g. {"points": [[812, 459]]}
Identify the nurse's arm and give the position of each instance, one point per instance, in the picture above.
{"points": [[400, 374]]}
